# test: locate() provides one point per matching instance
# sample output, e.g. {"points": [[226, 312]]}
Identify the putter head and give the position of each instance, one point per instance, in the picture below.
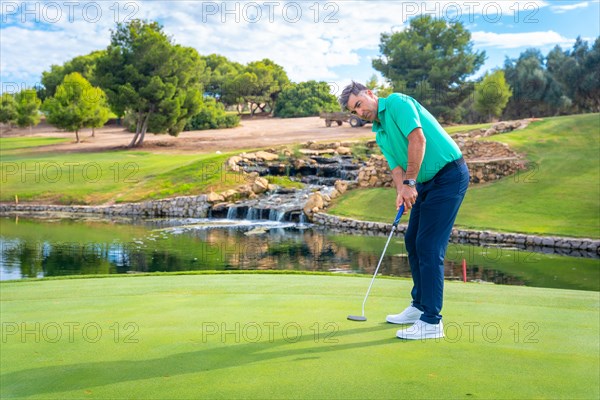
{"points": [[357, 318]]}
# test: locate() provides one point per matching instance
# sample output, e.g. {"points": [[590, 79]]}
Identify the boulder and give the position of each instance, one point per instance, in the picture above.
{"points": [[232, 163], [249, 156], [229, 194], [341, 186], [260, 185], [266, 156], [344, 151], [314, 202], [213, 197]]}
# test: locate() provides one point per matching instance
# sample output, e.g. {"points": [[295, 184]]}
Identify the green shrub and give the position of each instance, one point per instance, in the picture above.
{"points": [[212, 115], [305, 99]]}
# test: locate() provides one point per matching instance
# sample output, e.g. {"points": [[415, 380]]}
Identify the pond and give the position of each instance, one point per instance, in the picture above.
{"points": [[46, 247]]}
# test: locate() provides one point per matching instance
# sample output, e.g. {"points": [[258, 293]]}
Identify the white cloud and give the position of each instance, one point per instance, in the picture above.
{"points": [[328, 38], [568, 7], [518, 40]]}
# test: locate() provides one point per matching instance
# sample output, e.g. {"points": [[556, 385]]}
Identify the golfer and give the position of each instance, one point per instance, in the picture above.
{"points": [[431, 179]]}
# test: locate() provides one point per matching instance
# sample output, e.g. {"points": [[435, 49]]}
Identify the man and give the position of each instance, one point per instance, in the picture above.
{"points": [[431, 179]]}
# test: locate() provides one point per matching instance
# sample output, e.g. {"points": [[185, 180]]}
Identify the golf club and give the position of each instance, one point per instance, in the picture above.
{"points": [[394, 226]]}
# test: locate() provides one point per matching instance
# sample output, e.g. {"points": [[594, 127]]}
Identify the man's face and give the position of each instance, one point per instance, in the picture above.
{"points": [[364, 105]]}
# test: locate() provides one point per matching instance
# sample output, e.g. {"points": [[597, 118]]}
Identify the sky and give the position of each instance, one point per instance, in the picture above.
{"points": [[331, 41]]}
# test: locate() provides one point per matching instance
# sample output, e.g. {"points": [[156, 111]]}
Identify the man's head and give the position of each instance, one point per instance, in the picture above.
{"points": [[359, 100]]}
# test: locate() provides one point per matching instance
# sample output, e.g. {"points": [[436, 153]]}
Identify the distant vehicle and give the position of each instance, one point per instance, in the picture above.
{"points": [[339, 117]]}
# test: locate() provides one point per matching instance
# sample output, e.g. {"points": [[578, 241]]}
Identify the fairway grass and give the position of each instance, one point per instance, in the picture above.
{"points": [[286, 336], [116, 176]]}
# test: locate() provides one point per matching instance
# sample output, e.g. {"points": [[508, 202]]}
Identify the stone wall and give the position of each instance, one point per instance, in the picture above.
{"points": [[487, 161], [188, 206], [574, 246]]}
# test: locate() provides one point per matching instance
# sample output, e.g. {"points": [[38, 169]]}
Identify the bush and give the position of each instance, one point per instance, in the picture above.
{"points": [[212, 115], [305, 99]]}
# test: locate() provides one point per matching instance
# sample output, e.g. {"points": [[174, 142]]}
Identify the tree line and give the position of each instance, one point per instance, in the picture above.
{"points": [[157, 86], [432, 61]]}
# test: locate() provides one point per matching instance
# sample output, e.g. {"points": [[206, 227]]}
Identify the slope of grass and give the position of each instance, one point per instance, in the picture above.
{"points": [[93, 178], [286, 336], [16, 143], [559, 194]]}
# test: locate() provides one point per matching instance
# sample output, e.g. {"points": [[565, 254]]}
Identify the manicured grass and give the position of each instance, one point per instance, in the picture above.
{"points": [[119, 176], [14, 143], [286, 336], [465, 128], [557, 195]]}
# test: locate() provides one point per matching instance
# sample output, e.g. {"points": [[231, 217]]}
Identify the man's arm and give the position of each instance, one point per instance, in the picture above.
{"points": [[416, 151]]}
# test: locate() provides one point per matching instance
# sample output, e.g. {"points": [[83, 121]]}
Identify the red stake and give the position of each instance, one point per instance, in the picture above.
{"points": [[464, 265]]}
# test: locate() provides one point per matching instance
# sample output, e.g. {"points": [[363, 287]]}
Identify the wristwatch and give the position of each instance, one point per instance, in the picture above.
{"points": [[409, 182]]}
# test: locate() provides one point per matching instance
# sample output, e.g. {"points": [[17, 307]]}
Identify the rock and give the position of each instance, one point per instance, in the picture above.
{"points": [[245, 190], [232, 163], [342, 186], [256, 231], [229, 194], [260, 185], [315, 201], [213, 197], [249, 156], [549, 242], [266, 156], [344, 151], [313, 152]]}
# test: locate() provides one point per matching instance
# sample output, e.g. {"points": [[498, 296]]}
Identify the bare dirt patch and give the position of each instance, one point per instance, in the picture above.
{"points": [[251, 134]]}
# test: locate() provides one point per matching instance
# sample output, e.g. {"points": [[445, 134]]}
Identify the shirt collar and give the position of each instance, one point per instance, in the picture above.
{"points": [[380, 110]]}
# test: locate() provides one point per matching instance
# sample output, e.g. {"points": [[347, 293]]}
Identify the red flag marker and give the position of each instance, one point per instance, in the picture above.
{"points": [[464, 267]]}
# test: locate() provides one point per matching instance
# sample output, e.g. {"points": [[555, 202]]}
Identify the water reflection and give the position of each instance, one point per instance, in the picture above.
{"points": [[57, 247]]}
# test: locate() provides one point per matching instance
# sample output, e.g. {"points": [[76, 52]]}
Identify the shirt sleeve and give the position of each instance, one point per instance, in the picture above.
{"points": [[404, 114]]}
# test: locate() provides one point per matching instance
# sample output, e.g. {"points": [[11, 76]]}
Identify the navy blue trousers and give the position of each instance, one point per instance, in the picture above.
{"points": [[428, 232]]}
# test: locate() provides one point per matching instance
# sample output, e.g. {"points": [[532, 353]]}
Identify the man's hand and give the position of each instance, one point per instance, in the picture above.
{"points": [[407, 196]]}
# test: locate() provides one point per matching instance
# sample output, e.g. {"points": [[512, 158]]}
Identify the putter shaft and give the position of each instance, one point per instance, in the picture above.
{"points": [[377, 269]]}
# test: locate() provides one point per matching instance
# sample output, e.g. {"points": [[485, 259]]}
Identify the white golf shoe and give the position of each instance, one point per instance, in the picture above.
{"points": [[408, 316], [422, 330]]}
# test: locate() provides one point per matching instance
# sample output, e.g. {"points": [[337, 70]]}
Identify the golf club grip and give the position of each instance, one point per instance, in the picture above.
{"points": [[399, 215]]}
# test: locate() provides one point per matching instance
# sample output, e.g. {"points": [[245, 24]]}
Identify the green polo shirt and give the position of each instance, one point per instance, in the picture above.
{"points": [[398, 116]]}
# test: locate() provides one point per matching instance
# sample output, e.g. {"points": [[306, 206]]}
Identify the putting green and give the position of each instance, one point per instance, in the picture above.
{"points": [[286, 336]]}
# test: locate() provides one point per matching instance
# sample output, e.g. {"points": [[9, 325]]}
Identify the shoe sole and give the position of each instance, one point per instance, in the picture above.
{"points": [[421, 337], [401, 323]]}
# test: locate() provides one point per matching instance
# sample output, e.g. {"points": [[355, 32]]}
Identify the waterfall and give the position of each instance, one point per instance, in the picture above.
{"points": [[276, 215], [280, 215], [272, 214], [302, 218], [252, 214], [232, 213]]}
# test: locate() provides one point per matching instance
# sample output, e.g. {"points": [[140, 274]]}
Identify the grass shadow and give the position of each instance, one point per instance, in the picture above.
{"points": [[86, 375]]}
